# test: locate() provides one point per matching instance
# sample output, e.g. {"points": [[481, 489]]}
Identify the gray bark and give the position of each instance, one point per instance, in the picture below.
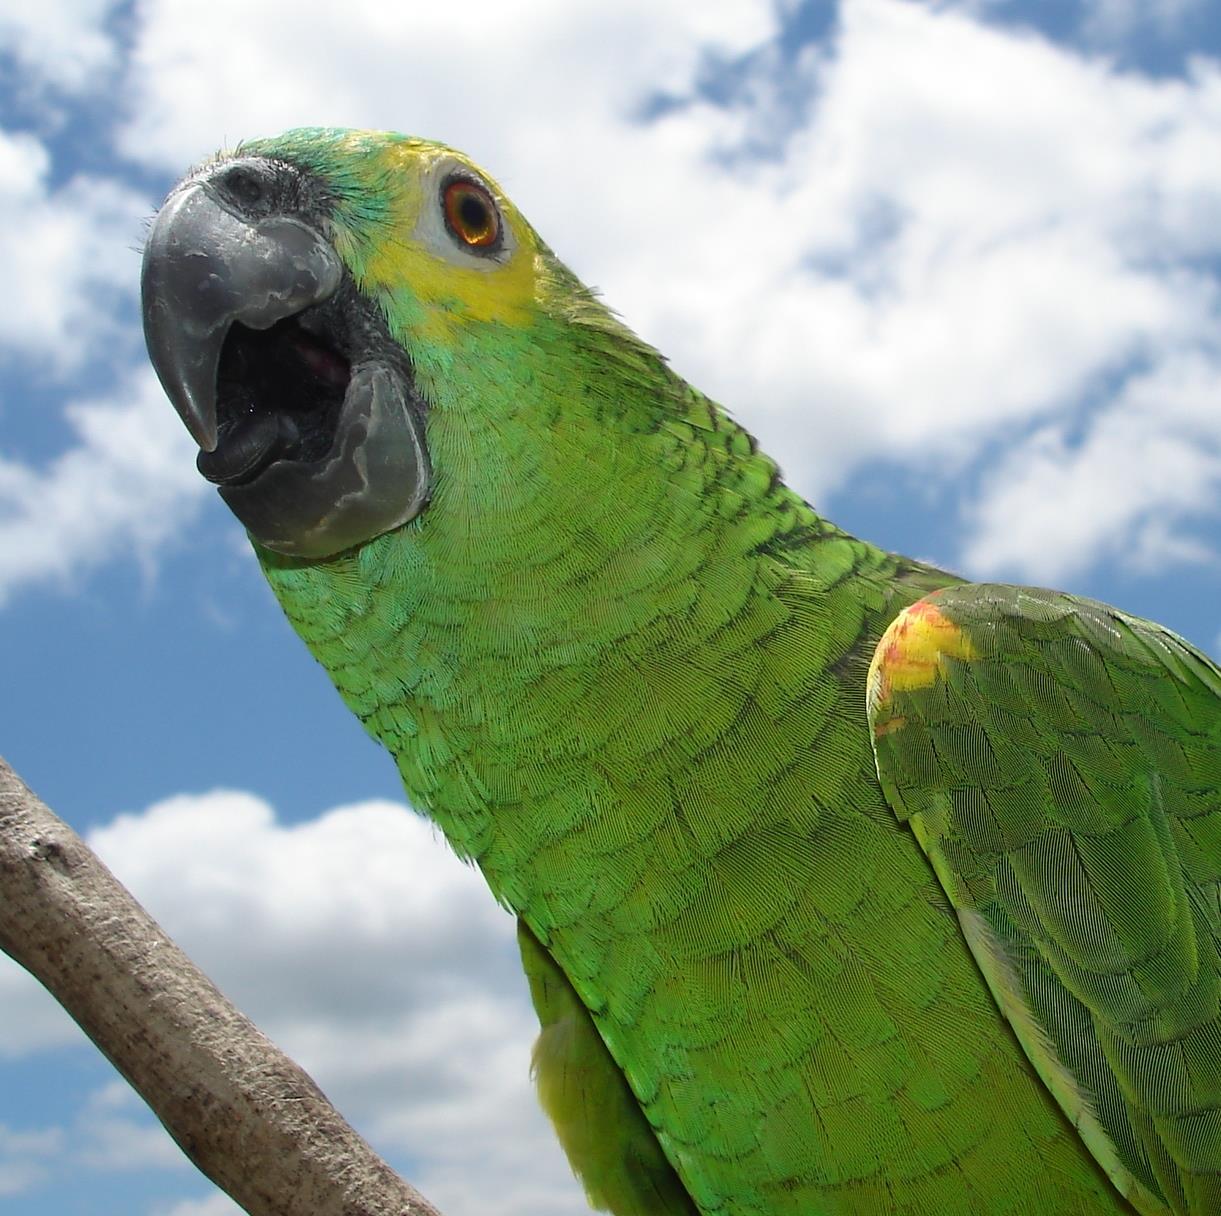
{"points": [[240, 1109]]}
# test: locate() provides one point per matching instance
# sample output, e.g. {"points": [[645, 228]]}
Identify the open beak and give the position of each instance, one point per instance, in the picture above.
{"points": [[303, 406], [204, 268]]}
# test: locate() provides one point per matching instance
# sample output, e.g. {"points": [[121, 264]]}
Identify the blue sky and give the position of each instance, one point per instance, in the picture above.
{"points": [[957, 264]]}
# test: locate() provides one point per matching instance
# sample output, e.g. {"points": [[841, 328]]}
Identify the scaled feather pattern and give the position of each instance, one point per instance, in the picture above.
{"points": [[844, 887]]}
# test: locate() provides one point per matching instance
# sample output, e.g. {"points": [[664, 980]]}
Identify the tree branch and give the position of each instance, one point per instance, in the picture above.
{"points": [[243, 1112]]}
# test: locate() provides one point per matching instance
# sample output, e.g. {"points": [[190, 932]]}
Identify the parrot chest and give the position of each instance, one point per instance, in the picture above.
{"points": [[689, 821], [767, 958]]}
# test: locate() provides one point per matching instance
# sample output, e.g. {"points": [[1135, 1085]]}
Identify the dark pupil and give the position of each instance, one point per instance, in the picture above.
{"points": [[473, 213]]}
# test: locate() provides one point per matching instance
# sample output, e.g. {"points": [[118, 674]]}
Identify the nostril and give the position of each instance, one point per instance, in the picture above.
{"points": [[243, 185]]}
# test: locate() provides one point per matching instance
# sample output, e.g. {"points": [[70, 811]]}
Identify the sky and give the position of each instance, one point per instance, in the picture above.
{"points": [[957, 264]]}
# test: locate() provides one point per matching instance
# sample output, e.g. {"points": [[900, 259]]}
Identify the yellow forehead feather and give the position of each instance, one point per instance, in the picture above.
{"points": [[450, 290]]}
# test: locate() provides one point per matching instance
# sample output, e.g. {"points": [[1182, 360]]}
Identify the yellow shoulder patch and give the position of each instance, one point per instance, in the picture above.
{"points": [[911, 655]]}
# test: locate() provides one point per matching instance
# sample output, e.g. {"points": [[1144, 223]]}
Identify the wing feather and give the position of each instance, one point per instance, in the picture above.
{"points": [[1060, 764]]}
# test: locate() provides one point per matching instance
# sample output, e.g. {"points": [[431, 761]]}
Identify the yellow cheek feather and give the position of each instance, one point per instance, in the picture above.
{"points": [[912, 655], [448, 291]]}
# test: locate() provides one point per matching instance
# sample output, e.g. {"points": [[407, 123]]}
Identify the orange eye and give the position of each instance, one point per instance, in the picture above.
{"points": [[471, 214]]}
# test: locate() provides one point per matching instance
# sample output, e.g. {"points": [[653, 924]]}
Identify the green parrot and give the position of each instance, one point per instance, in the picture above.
{"points": [[843, 886]]}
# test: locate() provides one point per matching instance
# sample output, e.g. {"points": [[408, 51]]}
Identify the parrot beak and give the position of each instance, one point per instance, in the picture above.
{"points": [[205, 268], [303, 407]]}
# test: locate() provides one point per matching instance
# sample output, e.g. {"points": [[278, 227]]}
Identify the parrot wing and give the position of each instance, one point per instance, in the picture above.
{"points": [[609, 1142], [1060, 765]]}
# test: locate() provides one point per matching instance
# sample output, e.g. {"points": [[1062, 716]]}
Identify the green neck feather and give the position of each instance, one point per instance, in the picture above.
{"points": [[594, 519]]}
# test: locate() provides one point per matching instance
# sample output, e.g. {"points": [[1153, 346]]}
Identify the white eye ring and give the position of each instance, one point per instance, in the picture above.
{"points": [[460, 218]]}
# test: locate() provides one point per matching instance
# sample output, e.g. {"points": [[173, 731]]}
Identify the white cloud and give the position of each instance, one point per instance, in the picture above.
{"points": [[114, 1132], [214, 1205], [19, 1176], [1148, 465], [965, 228], [65, 43], [918, 262], [501, 75], [71, 258], [70, 254], [31, 1019], [24, 1156], [1113, 20], [372, 874], [127, 486], [975, 261], [1101, 21], [376, 960]]}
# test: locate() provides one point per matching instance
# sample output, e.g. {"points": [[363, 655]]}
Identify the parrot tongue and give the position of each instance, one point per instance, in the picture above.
{"points": [[247, 447]]}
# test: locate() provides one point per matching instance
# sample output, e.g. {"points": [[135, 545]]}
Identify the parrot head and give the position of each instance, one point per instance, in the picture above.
{"points": [[311, 300]]}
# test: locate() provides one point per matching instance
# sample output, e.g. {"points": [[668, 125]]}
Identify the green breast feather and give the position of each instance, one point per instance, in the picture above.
{"points": [[844, 888]]}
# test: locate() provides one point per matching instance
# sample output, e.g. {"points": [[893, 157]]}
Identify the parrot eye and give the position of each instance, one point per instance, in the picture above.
{"points": [[470, 214]]}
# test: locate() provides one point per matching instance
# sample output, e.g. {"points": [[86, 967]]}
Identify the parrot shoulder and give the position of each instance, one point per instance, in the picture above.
{"points": [[1059, 763]]}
